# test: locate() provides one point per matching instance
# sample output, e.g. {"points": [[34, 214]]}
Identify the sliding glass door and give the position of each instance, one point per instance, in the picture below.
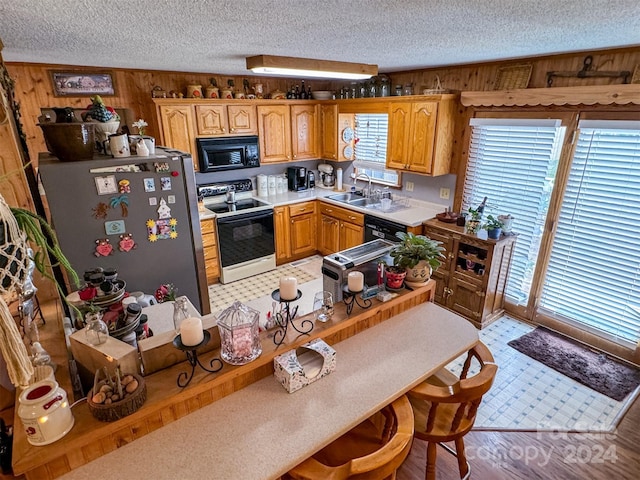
{"points": [[593, 275], [576, 203]]}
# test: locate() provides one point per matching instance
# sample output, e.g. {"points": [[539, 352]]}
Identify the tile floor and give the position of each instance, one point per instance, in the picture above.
{"points": [[526, 395]]}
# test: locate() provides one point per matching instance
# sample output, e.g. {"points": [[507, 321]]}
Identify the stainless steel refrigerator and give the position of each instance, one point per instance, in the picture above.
{"points": [[138, 215]]}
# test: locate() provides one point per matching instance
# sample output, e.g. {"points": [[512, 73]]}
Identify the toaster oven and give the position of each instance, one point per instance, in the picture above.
{"points": [[364, 258]]}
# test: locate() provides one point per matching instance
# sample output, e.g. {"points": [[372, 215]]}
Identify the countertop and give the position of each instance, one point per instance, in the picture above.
{"points": [[261, 431], [414, 215]]}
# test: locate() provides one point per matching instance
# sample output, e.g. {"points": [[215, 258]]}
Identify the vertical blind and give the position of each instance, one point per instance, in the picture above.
{"points": [[593, 276], [513, 164], [371, 132]]}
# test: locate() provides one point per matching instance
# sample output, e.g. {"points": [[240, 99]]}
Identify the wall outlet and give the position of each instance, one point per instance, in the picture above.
{"points": [[444, 193], [409, 187]]}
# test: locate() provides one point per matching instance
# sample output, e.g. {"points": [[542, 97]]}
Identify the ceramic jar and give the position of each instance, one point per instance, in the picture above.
{"points": [[226, 93], [45, 412], [212, 92], [194, 91]]}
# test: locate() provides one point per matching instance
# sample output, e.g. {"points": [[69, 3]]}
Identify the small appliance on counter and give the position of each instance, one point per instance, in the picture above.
{"points": [[363, 258], [311, 179], [297, 178], [327, 178]]}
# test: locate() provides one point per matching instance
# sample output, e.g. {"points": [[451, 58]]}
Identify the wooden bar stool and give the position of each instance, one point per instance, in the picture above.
{"points": [[445, 407], [373, 450]]}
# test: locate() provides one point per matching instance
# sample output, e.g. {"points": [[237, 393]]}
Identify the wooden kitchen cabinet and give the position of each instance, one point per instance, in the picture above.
{"points": [[421, 135], [471, 280], [274, 132], [329, 131], [226, 120], [295, 227], [210, 246], [339, 228], [304, 132], [177, 127]]}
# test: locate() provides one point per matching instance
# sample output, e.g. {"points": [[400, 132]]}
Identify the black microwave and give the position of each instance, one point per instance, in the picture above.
{"points": [[227, 153]]}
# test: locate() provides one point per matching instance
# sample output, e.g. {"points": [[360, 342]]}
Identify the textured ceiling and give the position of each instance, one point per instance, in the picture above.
{"points": [[216, 36]]}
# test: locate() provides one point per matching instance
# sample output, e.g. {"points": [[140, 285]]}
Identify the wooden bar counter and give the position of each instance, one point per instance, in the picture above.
{"points": [[260, 431]]}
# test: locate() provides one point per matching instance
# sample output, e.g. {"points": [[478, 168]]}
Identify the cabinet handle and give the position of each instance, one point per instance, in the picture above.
{"points": [[480, 293], [302, 209], [451, 255], [447, 291], [328, 210], [352, 218], [295, 156], [223, 129], [292, 221], [232, 129]]}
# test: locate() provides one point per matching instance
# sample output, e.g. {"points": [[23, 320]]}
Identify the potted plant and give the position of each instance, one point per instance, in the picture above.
{"points": [[418, 256], [473, 222], [494, 227]]}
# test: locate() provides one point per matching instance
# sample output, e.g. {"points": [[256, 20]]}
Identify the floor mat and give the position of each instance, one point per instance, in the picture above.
{"points": [[530, 396], [223, 295], [594, 369]]}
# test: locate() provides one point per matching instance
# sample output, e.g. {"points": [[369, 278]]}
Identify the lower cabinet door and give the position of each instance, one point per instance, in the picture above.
{"points": [[351, 235], [467, 298]]}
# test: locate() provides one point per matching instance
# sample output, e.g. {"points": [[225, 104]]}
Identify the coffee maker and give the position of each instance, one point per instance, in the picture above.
{"points": [[297, 178]]}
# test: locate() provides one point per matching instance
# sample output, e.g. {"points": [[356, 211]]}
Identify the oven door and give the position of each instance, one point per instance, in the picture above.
{"points": [[245, 237]]}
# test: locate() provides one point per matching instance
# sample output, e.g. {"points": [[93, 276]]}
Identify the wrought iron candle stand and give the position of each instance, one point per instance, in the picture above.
{"points": [[283, 321], [192, 358], [351, 298]]}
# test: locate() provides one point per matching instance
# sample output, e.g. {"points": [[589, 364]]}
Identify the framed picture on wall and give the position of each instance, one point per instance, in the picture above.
{"points": [[79, 84]]}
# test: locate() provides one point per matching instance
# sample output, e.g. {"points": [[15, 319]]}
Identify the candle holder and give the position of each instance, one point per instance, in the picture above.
{"points": [[283, 321], [352, 297], [192, 358]]}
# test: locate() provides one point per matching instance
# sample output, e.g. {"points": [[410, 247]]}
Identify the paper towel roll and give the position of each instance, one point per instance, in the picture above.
{"points": [[339, 179]]}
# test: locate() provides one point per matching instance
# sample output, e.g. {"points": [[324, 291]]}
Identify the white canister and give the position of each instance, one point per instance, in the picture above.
{"points": [[263, 190], [45, 412], [271, 185], [281, 185], [339, 179]]}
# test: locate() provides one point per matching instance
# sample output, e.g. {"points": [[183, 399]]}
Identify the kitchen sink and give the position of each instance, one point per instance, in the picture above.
{"points": [[346, 197]]}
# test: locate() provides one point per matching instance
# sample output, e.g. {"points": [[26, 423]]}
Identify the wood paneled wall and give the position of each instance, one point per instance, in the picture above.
{"points": [[482, 76], [133, 87]]}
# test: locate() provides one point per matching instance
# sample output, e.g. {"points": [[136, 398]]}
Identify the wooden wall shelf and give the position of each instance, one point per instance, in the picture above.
{"points": [[588, 95]]}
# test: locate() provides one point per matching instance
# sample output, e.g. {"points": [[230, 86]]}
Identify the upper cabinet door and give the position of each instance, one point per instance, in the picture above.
{"points": [[178, 127], [399, 131], [304, 132], [329, 131], [274, 132], [422, 139], [212, 119], [242, 119]]}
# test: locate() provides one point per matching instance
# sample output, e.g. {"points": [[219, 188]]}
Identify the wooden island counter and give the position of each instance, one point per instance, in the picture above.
{"points": [[260, 431]]}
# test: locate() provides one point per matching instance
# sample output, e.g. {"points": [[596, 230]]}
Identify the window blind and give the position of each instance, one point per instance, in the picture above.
{"points": [[593, 276], [513, 164], [371, 131]]}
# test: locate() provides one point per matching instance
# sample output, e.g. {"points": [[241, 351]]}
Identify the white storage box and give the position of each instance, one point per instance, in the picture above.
{"points": [[298, 368]]}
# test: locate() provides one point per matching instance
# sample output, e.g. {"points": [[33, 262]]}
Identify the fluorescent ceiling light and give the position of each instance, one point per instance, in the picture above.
{"points": [[307, 67]]}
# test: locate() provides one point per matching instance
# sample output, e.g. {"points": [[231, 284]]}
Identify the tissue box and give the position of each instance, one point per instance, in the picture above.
{"points": [[298, 368]]}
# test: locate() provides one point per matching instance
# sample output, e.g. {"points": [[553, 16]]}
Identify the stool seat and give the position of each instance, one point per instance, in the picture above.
{"points": [[372, 450]]}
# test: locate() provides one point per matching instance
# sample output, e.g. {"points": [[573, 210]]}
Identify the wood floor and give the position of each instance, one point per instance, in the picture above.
{"points": [[544, 455]]}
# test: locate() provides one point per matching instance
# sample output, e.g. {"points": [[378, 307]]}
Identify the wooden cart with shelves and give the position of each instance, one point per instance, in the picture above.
{"points": [[473, 276]]}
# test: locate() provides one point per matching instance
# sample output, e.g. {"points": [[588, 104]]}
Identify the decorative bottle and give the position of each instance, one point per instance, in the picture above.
{"points": [[480, 208], [179, 312], [303, 91]]}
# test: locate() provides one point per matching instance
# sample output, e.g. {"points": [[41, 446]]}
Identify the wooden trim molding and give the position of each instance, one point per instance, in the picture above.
{"points": [[590, 95]]}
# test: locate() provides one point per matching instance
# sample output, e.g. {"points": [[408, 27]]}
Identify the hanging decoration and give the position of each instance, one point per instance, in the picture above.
{"points": [[161, 167], [123, 202], [162, 229], [103, 248], [127, 243], [164, 211], [100, 211]]}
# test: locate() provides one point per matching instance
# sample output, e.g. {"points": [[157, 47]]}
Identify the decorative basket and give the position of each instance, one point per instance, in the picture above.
{"points": [[436, 89], [513, 77], [122, 408]]}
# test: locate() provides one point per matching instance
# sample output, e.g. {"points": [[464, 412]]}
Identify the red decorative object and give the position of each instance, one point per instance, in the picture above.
{"points": [[166, 293], [103, 248], [87, 293], [175, 174], [126, 243]]}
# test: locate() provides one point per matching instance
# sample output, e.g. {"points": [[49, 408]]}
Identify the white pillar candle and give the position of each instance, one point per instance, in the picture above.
{"points": [[288, 288], [191, 331], [356, 281]]}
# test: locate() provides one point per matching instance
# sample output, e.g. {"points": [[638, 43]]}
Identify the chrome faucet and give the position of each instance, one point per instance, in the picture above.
{"points": [[368, 191]]}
